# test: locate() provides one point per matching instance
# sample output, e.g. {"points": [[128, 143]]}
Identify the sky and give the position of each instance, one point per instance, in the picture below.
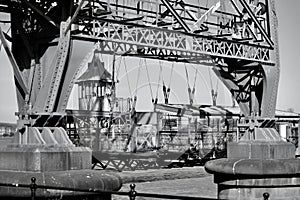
{"points": [[288, 94]]}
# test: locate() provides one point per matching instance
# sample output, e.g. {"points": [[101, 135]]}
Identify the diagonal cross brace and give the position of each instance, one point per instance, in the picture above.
{"points": [[251, 14], [176, 15], [74, 16], [209, 12], [20, 83]]}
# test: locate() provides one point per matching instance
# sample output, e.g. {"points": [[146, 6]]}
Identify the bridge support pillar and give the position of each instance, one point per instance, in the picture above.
{"points": [[48, 155], [269, 98], [256, 167]]}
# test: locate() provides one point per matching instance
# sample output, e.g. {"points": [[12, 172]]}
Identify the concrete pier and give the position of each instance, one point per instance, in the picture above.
{"points": [[48, 155], [260, 163]]}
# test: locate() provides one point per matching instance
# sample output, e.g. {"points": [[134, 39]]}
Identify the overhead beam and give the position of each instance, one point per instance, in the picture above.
{"points": [[184, 42], [133, 19]]}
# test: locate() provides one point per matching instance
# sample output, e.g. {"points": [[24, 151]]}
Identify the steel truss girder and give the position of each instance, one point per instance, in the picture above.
{"points": [[159, 38], [123, 49]]}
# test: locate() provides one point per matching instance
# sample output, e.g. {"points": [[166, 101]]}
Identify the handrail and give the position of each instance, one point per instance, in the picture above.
{"points": [[132, 194]]}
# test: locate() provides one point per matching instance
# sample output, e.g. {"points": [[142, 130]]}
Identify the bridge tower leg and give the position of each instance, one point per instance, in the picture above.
{"points": [[41, 148], [260, 165], [272, 73]]}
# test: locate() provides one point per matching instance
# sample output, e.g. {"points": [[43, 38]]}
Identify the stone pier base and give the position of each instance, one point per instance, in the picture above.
{"points": [[261, 162], [251, 178], [48, 155]]}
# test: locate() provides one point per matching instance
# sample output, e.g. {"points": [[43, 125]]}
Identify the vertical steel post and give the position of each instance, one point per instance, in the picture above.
{"points": [[33, 187], [132, 192], [266, 196]]}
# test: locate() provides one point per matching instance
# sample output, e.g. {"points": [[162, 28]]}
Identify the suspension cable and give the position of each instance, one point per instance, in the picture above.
{"points": [[211, 85], [166, 91], [149, 80], [214, 93], [191, 92], [159, 78], [127, 76], [138, 78], [187, 76], [192, 95], [195, 78], [171, 75], [119, 67]]}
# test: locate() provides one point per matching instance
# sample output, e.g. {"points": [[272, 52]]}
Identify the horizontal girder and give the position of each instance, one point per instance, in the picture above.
{"points": [[136, 38]]}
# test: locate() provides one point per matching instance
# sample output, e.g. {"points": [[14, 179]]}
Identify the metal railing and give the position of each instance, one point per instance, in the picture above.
{"points": [[131, 194]]}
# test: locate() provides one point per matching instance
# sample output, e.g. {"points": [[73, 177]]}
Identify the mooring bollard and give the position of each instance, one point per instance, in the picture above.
{"points": [[132, 193], [33, 187], [266, 196]]}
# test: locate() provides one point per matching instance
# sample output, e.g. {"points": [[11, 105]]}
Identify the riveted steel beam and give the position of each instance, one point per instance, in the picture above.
{"points": [[153, 37]]}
